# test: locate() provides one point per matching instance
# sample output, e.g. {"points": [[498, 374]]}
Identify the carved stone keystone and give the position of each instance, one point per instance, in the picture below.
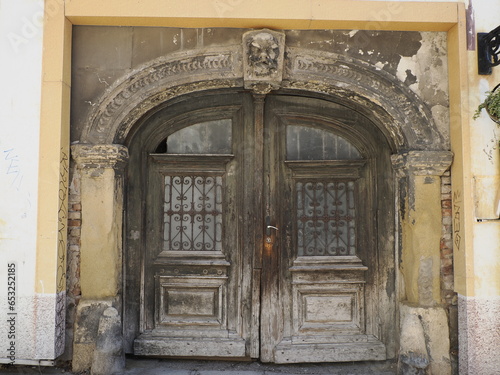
{"points": [[263, 52]]}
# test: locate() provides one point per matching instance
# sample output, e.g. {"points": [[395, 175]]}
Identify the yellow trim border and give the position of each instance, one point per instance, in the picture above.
{"points": [[61, 15]]}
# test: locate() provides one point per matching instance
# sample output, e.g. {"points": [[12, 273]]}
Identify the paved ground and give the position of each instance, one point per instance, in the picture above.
{"points": [[179, 367]]}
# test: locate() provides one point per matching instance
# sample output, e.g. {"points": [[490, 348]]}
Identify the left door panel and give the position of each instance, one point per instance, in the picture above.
{"points": [[192, 256]]}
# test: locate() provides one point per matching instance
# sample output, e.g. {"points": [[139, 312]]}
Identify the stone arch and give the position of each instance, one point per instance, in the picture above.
{"points": [[400, 114]]}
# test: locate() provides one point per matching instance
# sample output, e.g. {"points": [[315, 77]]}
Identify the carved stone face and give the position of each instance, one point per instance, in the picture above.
{"points": [[263, 52]]}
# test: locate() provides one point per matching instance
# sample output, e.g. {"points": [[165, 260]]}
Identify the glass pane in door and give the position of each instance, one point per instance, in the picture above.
{"points": [[209, 137], [307, 143]]}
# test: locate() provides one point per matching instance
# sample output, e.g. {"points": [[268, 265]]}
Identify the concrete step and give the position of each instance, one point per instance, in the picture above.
{"points": [[140, 366]]}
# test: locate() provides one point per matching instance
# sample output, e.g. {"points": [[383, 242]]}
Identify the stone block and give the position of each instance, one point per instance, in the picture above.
{"points": [[108, 356], [425, 341], [85, 332], [413, 356]]}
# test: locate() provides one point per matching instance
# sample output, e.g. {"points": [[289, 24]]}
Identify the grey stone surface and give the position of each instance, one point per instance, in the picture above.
{"points": [[138, 366], [85, 332], [108, 355]]}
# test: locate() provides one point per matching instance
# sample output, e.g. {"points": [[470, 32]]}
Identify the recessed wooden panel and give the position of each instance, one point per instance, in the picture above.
{"points": [[187, 302], [191, 301], [328, 309]]}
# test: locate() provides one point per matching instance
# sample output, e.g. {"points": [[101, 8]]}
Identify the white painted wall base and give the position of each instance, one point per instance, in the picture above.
{"points": [[479, 335]]}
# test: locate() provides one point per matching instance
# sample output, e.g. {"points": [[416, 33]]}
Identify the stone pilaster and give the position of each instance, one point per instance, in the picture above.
{"points": [[420, 198], [424, 340], [101, 190]]}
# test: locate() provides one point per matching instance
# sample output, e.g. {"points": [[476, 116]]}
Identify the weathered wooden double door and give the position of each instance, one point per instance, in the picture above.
{"points": [[257, 222]]}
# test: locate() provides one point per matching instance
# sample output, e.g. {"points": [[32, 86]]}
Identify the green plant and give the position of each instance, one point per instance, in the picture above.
{"points": [[491, 104]]}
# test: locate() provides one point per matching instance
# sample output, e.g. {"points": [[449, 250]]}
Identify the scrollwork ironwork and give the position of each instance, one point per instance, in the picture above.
{"points": [[193, 213], [488, 50], [326, 218]]}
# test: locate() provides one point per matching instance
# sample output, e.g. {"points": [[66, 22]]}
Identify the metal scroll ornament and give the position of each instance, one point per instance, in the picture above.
{"points": [[488, 50], [263, 52], [192, 213]]}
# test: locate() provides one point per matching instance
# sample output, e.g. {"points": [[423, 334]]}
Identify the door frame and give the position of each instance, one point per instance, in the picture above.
{"points": [[249, 257], [113, 120]]}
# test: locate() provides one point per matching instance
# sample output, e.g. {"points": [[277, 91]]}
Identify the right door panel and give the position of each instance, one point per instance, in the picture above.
{"points": [[323, 195]]}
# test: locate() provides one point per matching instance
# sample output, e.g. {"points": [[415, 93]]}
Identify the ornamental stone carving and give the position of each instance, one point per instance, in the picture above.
{"points": [[422, 163], [102, 156], [259, 64], [263, 52], [155, 83], [338, 75]]}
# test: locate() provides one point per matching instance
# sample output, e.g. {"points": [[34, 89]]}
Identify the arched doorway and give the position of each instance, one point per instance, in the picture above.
{"points": [[263, 221], [335, 98]]}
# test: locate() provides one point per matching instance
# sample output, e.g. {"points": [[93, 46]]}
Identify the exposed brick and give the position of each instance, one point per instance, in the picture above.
{"points": [[446, 203], [448, 279], [446, 189], [447, 269], [446, 262], [74, 223], [446, 253], [446, 245], [74, 248], [74, 215], [447, 220], [446, 196], [446, 211], [74, 241]]}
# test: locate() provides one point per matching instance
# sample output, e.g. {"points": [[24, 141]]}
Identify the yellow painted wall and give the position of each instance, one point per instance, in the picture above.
{"points": [[420, 254], [485, 167]]}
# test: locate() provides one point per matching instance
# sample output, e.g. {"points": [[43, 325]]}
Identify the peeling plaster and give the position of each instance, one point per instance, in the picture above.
{"points": [[423, 72]]}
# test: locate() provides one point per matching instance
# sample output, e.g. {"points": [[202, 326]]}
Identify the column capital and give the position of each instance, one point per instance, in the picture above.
{"points": [[422, 163], [97, 156]]}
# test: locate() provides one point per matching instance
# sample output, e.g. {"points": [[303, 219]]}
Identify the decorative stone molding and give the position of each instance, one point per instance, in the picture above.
{"points": [[100, 156], [402, 115], [422, 163], [155, 83], [399, 113], [263, 52]]}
